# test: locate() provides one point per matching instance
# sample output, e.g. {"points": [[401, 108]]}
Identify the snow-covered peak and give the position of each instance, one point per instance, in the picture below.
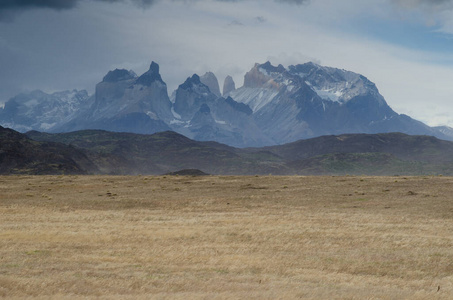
{"points": [[333, 84], [41, 111], [68, 99], [265, 84]]}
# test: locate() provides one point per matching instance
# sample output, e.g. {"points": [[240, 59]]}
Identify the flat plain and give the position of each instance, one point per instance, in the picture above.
{"points": [[226, 237]]}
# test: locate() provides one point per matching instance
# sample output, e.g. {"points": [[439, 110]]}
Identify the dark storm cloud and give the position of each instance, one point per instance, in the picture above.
{"points": [[9, 8], [21, 4], [56, 4], [67, 4]]}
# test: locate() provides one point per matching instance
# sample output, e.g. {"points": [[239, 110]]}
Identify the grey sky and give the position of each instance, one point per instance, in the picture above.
{"points": [[401, 45]]}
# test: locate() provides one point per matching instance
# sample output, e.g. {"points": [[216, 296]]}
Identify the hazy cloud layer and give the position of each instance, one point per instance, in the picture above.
{"points": [[293, 1], [432, 4]]}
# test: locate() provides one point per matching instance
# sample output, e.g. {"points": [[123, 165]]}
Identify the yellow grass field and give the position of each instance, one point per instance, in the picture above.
{"points": [[226, 237]]}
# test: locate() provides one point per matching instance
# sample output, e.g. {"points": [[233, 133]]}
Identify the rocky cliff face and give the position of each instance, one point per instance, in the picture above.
{"points": [[228, 85], [210, 80]]}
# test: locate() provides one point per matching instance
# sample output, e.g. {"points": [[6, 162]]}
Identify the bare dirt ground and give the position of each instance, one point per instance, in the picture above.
{"points": [[175, 237]]}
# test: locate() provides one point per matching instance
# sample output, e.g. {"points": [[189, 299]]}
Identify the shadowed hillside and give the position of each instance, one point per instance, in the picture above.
{"points": [[165, 152], [22, 155], [127, 153]]}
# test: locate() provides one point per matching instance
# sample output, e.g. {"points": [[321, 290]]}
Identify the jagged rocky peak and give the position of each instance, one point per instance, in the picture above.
{"points": [[119, 75], [228, 85], [150, 76], [194, 84], [190, 81], [190, 96], [304, 69], [264, 75], [269, 68], [239, 106], [210, 80]]}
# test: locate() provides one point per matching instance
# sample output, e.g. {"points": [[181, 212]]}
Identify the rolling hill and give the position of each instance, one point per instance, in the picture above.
{"points": [[22, 155], [165, 152]]}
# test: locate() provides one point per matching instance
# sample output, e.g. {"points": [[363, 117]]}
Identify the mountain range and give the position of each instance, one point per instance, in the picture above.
{"points": [[274, 106]]}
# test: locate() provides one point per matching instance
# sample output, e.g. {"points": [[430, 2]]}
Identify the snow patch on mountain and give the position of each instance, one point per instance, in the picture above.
{"points": [[177, 122], [255, 98], [152, 115], [47, 126], [175, 114], [334, 84], [329, 94]]}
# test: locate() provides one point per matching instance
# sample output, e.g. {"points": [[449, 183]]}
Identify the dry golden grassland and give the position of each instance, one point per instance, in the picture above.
{"points": [[227, 237]]}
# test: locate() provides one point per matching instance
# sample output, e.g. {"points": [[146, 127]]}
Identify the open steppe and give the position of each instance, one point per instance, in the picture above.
{"points": [[226, 237]]}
